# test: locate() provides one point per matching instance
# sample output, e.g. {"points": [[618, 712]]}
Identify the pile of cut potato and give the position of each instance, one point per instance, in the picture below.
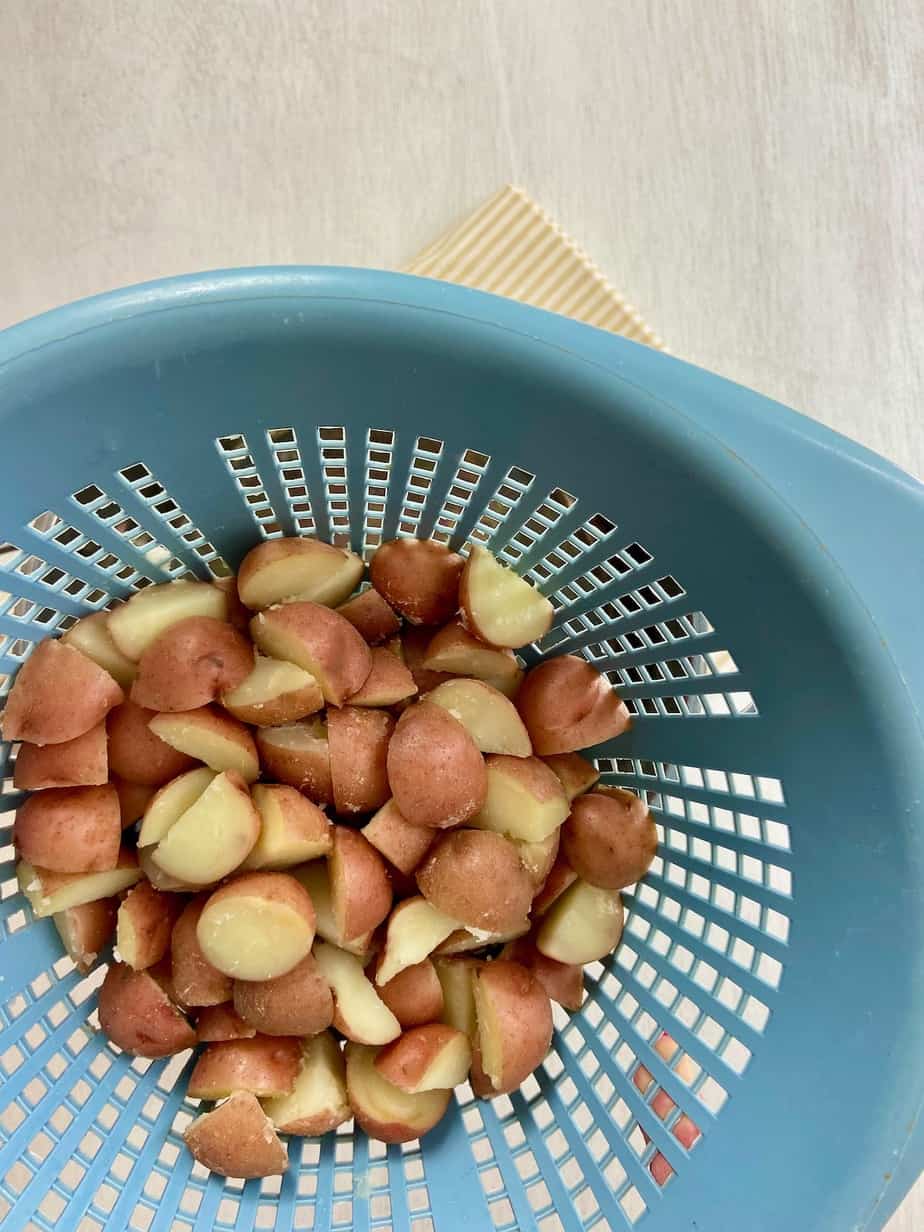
{"points": [[307, 817]]}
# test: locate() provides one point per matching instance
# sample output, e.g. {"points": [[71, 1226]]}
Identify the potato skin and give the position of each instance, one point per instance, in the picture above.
{"points": [[262, 1065], [150, 915], [414, 995], [358, 741], [137, 1015], [370, 616], [297, 1003], [81, 762], [58, 694], [318, 640], [196, 981], [70, 829], [568, 705], [360, 888], [365, 1085], [438, 777], [191, 664], [477, 878], [512, 1002], [216, 1023], [610, 839], [418, 578], [237, 1139], [86, 930], [136, 754]]}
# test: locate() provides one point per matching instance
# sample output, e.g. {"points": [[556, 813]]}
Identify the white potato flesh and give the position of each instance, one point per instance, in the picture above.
{"points": [[213, 836], [490, 718], [362, 1015], [51, 893], [146, 615], [91, 637], [169, 804], [501, 607], [583, 925], [414, 931]]}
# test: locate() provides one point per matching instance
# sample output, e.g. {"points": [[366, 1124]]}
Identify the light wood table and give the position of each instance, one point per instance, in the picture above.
{"points": [[749, 172]]}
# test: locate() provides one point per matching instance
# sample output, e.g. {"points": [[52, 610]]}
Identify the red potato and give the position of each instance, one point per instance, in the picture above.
{"points": [[418, 578], [293, 830], [136, 753], [415, 929], [170, 802], [575, 773], [237, 1139], [145, 924], [263, 1066], [358, 741], [434, 1057], [134, 625], [563, 982], [49, 892], [414, 995], [138, 1016], [297, 1003], [298, 754], [70, 829], [359, 1012], [383, 1110], [610, 839], [216, 1023], [524, 800], [237, 614], [91, 637], [315, 879], [58, 695], [274, 693], [414, 645], [402, 844], [469, 940], [539, 858], [161, 880], [684, 1129], [86, 931], [360, 888], [81, 762], [387, 684], [514, 1027], [457, 980], [318, 1102], [566, 705], [195, 981], [476, 877], [283, 570], [257, 926], [191, 664], [437, 776], [582, 925], [370, 616], [457, 651], [134, 798], [501, 607], [212, 837], [560, 877], [490, 718], [319, 641], [210, 736]]}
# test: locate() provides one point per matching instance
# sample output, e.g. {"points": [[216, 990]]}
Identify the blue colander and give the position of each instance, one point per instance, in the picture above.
{"points": [[752, 584]]}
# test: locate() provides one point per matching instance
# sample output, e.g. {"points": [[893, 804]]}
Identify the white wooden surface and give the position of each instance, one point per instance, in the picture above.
{"points": [[749, 172]]}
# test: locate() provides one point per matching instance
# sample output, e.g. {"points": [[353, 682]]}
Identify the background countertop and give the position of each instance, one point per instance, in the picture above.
{"points": [[748, 172]]}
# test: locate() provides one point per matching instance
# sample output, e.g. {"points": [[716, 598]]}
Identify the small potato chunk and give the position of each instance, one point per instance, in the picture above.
{"points": [[437, 776], [210, 736], [524, 800], [49, 892], [575, 773], [86, 931], [388, 683], [560, 877], [134, 798], [298, 754], [148, 613], [136, 754], [58, 695], [358, 741], [315, 879], [195, 980], [610, 839], [293, 830], [582, 925], [457, 651], [476, 877], [257, 926], [563, 982], [191, 664], [70, 829], [81, 762], [297, 1003], [262, 1066], [274, 693], [138, 1016], [319, 641], [360, 889], [238, 615], [414, 645], [161, 880], [457, 980], [402, 844], [170, 802], [414, 995], [490, 718], [434, 1057], [501, 607], [418, 578], [566, 705], [415, 929], [318, 1102], [145, 924], [514, 1027], [91, 637], [213, 837], [370, 616], [282, 570], [383, 1110], [359, 1012], [539, 858], [215, 1023], [237, 1139]]}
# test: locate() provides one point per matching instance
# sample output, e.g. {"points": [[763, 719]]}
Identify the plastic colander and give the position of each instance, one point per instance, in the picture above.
{"points": [[753, 585]]}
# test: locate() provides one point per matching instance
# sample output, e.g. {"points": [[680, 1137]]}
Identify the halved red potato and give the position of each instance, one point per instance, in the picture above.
{"points": [[293, 830], [161, 880], [316, 880], [402, 844], [136, 753], [371, 616], [610, 838], [81, 762], [414, 644], [358, 740], [414, 995], [134, 798], [282, 570], [524, 800], [415, 929], [566, 705], [359, 1012], [383, 1110], [435, 1057], [388, 683], [274, 693], [145, 924], [561, 876], [148, 613], [457, 651], [210, 736], [215, 1023], [91, 636], [49, 892], [419, 578], [575, 773], [298, 754], [476, 877], [583, 924], [318, 1102], [70, 829], [257, 926], [86, 930], [264, 1066], [539, 858], [238, 615], [437, 776], [213, 836], [563, 982], [58, 694], [170, 802], [319, 641], [137, 1015], [195, 980], [514, 1027], [457, 980], [297, 1003], [490, 718], [191, 664], [360, 889], [237, 1139], [501, 607]]}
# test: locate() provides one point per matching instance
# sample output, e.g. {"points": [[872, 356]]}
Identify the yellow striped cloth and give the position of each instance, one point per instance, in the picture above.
{"points": [[511, 246]]}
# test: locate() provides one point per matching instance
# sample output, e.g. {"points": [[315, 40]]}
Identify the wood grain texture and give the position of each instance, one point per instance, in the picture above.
{"points": [[748, 172]]}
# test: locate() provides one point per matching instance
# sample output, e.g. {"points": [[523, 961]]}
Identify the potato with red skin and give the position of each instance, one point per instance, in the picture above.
{"points": [[49, 892], [415, 643], [414, 995], [274, 693], [264, 1066], [539, 858], [134, 798], [191, 664], [136, 753], [610, 839], [477, 878], [292, 829], [437, 775], [319, 641], [490, 718], [70, 829], [297, 1003], [297, 569], [561, 876], [455, 650], [195, 980], [58, 694], [567, 705], [358, 740], [91, 636], [237, 614], [216, 1023], [418, 578], [500, 606], [145, 925], [257, 926], [81, 762], [402, 844], [514, 1027], [563, 982], [359, 1012], [575, 773], [524, 801], [389, 682], [298, 754], [582, 925], [381, 1109], [318, 1101], [237, 1139], [138, 1016], [148, 613], [371, 616], [86, 930], [211, 838], [212, 737], [434, 1057], [457, 980], [360, 888]]}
